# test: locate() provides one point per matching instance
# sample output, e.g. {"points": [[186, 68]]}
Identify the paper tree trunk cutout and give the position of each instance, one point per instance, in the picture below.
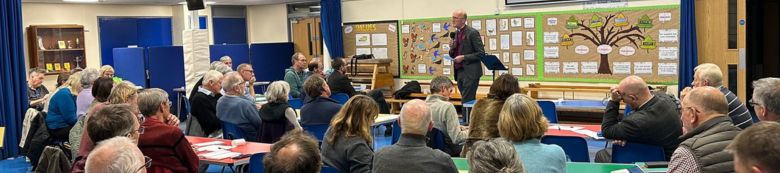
{"points": [[607, 37]]}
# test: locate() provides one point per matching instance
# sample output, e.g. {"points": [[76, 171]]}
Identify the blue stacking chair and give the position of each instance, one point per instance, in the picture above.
{"points": [[548, 109], [575, 147], [317, 130], [396, 132], [256, 163], [637, 152], [231, 131], [627, 111], [340, 97], [295, 103], [328, 169]]}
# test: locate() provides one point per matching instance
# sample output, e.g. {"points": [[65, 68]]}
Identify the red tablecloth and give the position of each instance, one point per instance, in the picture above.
{"points": [[248, 148], [556, 132]]}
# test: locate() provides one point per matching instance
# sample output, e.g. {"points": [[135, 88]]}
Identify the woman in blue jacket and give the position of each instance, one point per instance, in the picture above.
{"points": [[62, 108]]}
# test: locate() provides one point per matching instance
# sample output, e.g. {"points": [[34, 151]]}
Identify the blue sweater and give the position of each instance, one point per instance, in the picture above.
{"points": [[240, 111], [538, 157], [62, 110]]}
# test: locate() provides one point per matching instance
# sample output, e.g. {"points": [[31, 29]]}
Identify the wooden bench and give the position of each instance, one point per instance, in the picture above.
{"points": [[534, 89]]}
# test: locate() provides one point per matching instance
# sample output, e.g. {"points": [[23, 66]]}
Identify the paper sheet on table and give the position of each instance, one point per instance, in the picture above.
{"points": [[208, 143], [564, 127], [214, 148], [222, 154], [588, 133]]}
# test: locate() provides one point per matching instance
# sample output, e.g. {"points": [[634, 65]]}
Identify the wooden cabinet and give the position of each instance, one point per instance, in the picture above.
{"points": [[56, 48]]}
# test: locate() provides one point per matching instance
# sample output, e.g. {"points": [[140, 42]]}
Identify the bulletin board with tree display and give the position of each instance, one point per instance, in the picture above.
{"points": [[610, 44], [378, 38], [425, 44]]}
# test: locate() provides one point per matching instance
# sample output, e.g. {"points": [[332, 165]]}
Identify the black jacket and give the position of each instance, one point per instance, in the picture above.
{"points": [[204, 107], [319, 110], [471, 48], [655, 123], [340, 83]]}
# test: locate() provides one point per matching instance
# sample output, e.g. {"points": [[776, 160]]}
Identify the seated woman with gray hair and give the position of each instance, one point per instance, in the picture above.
{"points": [[277, 115], [494, 156], [162, 140]]}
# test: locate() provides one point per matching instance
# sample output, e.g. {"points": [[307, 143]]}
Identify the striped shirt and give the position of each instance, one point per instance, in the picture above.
{"points": [[738, 112]]}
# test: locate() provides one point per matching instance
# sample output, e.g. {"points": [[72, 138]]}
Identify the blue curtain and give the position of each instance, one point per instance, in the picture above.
{"points": [[689, 56], [330, 17], [13, 93]]}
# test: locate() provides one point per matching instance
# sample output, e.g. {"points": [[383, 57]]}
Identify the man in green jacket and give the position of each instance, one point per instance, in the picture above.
{"points": [[295, 75]]}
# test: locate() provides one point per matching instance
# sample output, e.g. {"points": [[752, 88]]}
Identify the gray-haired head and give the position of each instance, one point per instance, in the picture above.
{"points": [[150, 101], [440, 83], [230, 83], [118, 154], [494, 156], [709, 73], [277, 92], [766, 92], [88, 76], [220, 67], [225, 58]]}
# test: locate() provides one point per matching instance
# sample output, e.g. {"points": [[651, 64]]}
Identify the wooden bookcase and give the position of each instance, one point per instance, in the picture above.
{"points": [[56, 48]]}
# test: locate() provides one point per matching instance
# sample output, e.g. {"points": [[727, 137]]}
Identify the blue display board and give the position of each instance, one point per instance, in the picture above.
{"points": [[166, 69], [270, 60], [229, 30], [117, 32], [238, 52], [130, 65]]}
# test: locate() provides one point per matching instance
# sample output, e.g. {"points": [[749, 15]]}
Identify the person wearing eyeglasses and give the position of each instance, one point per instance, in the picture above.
{"points": [[467, 49], [248, 74], [709, 74], [110, 121], [708, 130], [295, 75], [234, 108], [162, 140], [766, 99], [118, 154], [654, 121]]}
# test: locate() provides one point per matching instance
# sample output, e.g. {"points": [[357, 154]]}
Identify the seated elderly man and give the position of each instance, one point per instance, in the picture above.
{"points": [[162, 140], [315, 67], [655, 119], [410, 153], [755, 149], [766, 99], [227, 60], [37, 93], [234, 108], [248, 75], [204, 103], [321, 108], [709, 74], [295, 152], [708, 130], [111, 121], [445, 117], [118, 154]]}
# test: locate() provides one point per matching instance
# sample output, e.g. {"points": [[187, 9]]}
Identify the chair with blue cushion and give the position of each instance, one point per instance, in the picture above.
{"points": [[341, 98], [548, 109], [396, 132], [256, 163], [575, 147], [317, 130], [231, 131], [295, 103], [328, 169], [637, 152]]}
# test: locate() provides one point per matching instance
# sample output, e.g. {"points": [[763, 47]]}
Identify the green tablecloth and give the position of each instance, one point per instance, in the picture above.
{"points": [[579, 167]]}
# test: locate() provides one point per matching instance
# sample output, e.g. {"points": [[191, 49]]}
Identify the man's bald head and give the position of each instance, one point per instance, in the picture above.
{"points": [[296, 152], [634, 85], [415, 117], [708, 99], [459, 18], [459, 13], [118, 154]]}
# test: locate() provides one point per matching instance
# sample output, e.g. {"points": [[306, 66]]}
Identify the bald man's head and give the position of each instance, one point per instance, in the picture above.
{"points": [[459, 18], [415, 117], [708, 99], [295, 152], [634, 85], [118, 154]]}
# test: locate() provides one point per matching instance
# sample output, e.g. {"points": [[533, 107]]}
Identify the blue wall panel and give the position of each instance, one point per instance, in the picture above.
{"points": [[229, 30], [238, 52], [166, 69], [119, 32], [202, 23], [154, 32], [270, 60], [131, 65]]}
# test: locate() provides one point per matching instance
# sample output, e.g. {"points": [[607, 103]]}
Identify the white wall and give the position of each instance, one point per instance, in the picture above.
{"points": [[267, 23]]}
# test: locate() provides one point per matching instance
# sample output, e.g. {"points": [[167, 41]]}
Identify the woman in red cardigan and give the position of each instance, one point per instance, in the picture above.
{"points": [[163, 141]]}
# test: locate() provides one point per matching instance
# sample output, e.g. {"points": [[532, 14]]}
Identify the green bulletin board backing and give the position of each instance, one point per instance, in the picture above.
{"points": [[419, 41]]}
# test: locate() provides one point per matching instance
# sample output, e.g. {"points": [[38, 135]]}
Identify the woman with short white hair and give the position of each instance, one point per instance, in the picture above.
{"points": [[277, 115]]}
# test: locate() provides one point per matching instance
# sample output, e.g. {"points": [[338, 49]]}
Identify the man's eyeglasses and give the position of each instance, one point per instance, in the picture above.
{"points": [[753, 103], [147, 163]]}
